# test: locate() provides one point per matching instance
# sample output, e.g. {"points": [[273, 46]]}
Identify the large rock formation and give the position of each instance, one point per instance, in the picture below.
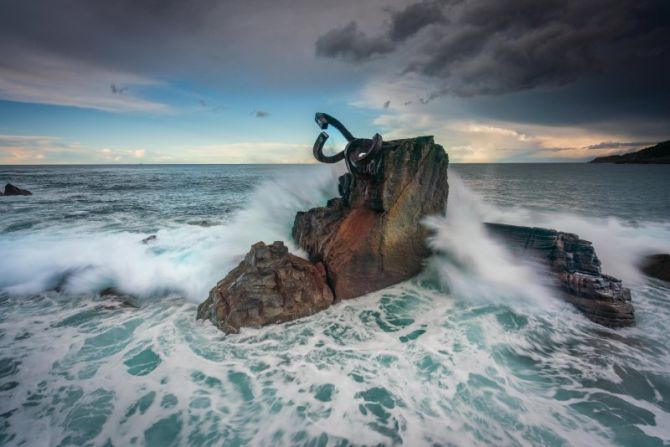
{"points": [[269, 286], [657, 266], [576, 270], [372, 236], [11, 190]]}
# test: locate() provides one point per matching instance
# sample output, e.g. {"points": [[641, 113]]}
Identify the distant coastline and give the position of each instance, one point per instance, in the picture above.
{"points": [[659, 154]]}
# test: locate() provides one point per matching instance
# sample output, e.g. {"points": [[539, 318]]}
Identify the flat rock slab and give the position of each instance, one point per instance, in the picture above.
{"points": [[576, 269]]}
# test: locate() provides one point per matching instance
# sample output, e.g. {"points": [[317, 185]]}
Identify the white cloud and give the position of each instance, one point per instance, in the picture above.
{"points": [[476, 140], [475, 127], [244, 152], [121, 155], [47, 79], [29, 149], [495, 141], [39, 149]]}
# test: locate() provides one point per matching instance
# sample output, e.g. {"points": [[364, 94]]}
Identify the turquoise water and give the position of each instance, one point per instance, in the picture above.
{"points": [[475, 351]]}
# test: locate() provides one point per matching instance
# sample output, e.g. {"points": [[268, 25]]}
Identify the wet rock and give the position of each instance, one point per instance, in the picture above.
{"points": [[269, 286], [372, 236], [11, 190], [150, 239], [123, 298], [657, 266], [201, 223], [576, 270]]}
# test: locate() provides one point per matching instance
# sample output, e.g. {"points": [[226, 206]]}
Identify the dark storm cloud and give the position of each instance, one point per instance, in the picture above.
{"points": [[199, 41], [350, 43], [412, 19], [491, 47], [141, 36]]}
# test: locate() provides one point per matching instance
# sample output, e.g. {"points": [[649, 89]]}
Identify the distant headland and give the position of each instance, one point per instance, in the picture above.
{"points": [[654, 154]]}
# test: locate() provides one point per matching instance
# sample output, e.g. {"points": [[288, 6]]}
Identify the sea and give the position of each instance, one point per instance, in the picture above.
{"points": [[476, 350]]}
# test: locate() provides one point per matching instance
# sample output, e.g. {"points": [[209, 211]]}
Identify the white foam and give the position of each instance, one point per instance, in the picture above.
{"points": [[468, 379], [187, 259]]}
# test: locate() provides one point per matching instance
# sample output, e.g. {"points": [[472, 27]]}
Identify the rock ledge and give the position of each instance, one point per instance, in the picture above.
{"points": [[576, 270]]}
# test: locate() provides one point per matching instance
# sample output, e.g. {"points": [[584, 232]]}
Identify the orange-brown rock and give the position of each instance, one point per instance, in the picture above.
{"points": [[372, 236], [269, 286]]}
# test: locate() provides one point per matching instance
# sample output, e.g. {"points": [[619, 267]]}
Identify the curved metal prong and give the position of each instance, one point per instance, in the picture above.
{"points": [[323, 120], [375, 147], [318, 150]]}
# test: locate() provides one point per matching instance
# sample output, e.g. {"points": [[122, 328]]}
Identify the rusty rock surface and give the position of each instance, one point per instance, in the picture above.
{"points": [[269, 286], [372, 237]]}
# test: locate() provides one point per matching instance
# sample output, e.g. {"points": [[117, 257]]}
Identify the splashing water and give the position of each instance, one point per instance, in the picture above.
{"points": [[475, 351], [185, 259]]}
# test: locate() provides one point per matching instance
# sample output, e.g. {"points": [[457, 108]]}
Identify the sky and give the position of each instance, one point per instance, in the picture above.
{"points": [[205, 81]]}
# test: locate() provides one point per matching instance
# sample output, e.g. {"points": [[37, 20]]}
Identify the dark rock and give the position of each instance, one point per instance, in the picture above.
{"points": [[11, 190], [123, 298], [372, 236], [576, 269], [150, 239], [201, 223], [269, 286], [657, 266], [658, 154]]}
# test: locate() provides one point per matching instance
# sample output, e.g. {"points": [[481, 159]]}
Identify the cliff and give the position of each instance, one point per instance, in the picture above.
{"points": [[659, 154]]}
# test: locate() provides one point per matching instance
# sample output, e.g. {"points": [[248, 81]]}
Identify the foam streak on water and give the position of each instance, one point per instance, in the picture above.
{"points": [[475, 351]]}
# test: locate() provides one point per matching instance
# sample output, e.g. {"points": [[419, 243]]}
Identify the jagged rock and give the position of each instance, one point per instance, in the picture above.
{"points": [[657, 266], [11, 190], [576, 269], [269, 286], [372, 237]]}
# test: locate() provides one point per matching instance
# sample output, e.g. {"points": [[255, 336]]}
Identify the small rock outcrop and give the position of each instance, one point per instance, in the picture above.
{"points": [[657, 266], [269, 286], [576, 269], [11, 190], [372, 237], [150, 239]]}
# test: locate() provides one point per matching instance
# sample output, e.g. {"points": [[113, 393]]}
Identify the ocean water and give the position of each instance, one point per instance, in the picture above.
{"points": [[474, 351]]}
